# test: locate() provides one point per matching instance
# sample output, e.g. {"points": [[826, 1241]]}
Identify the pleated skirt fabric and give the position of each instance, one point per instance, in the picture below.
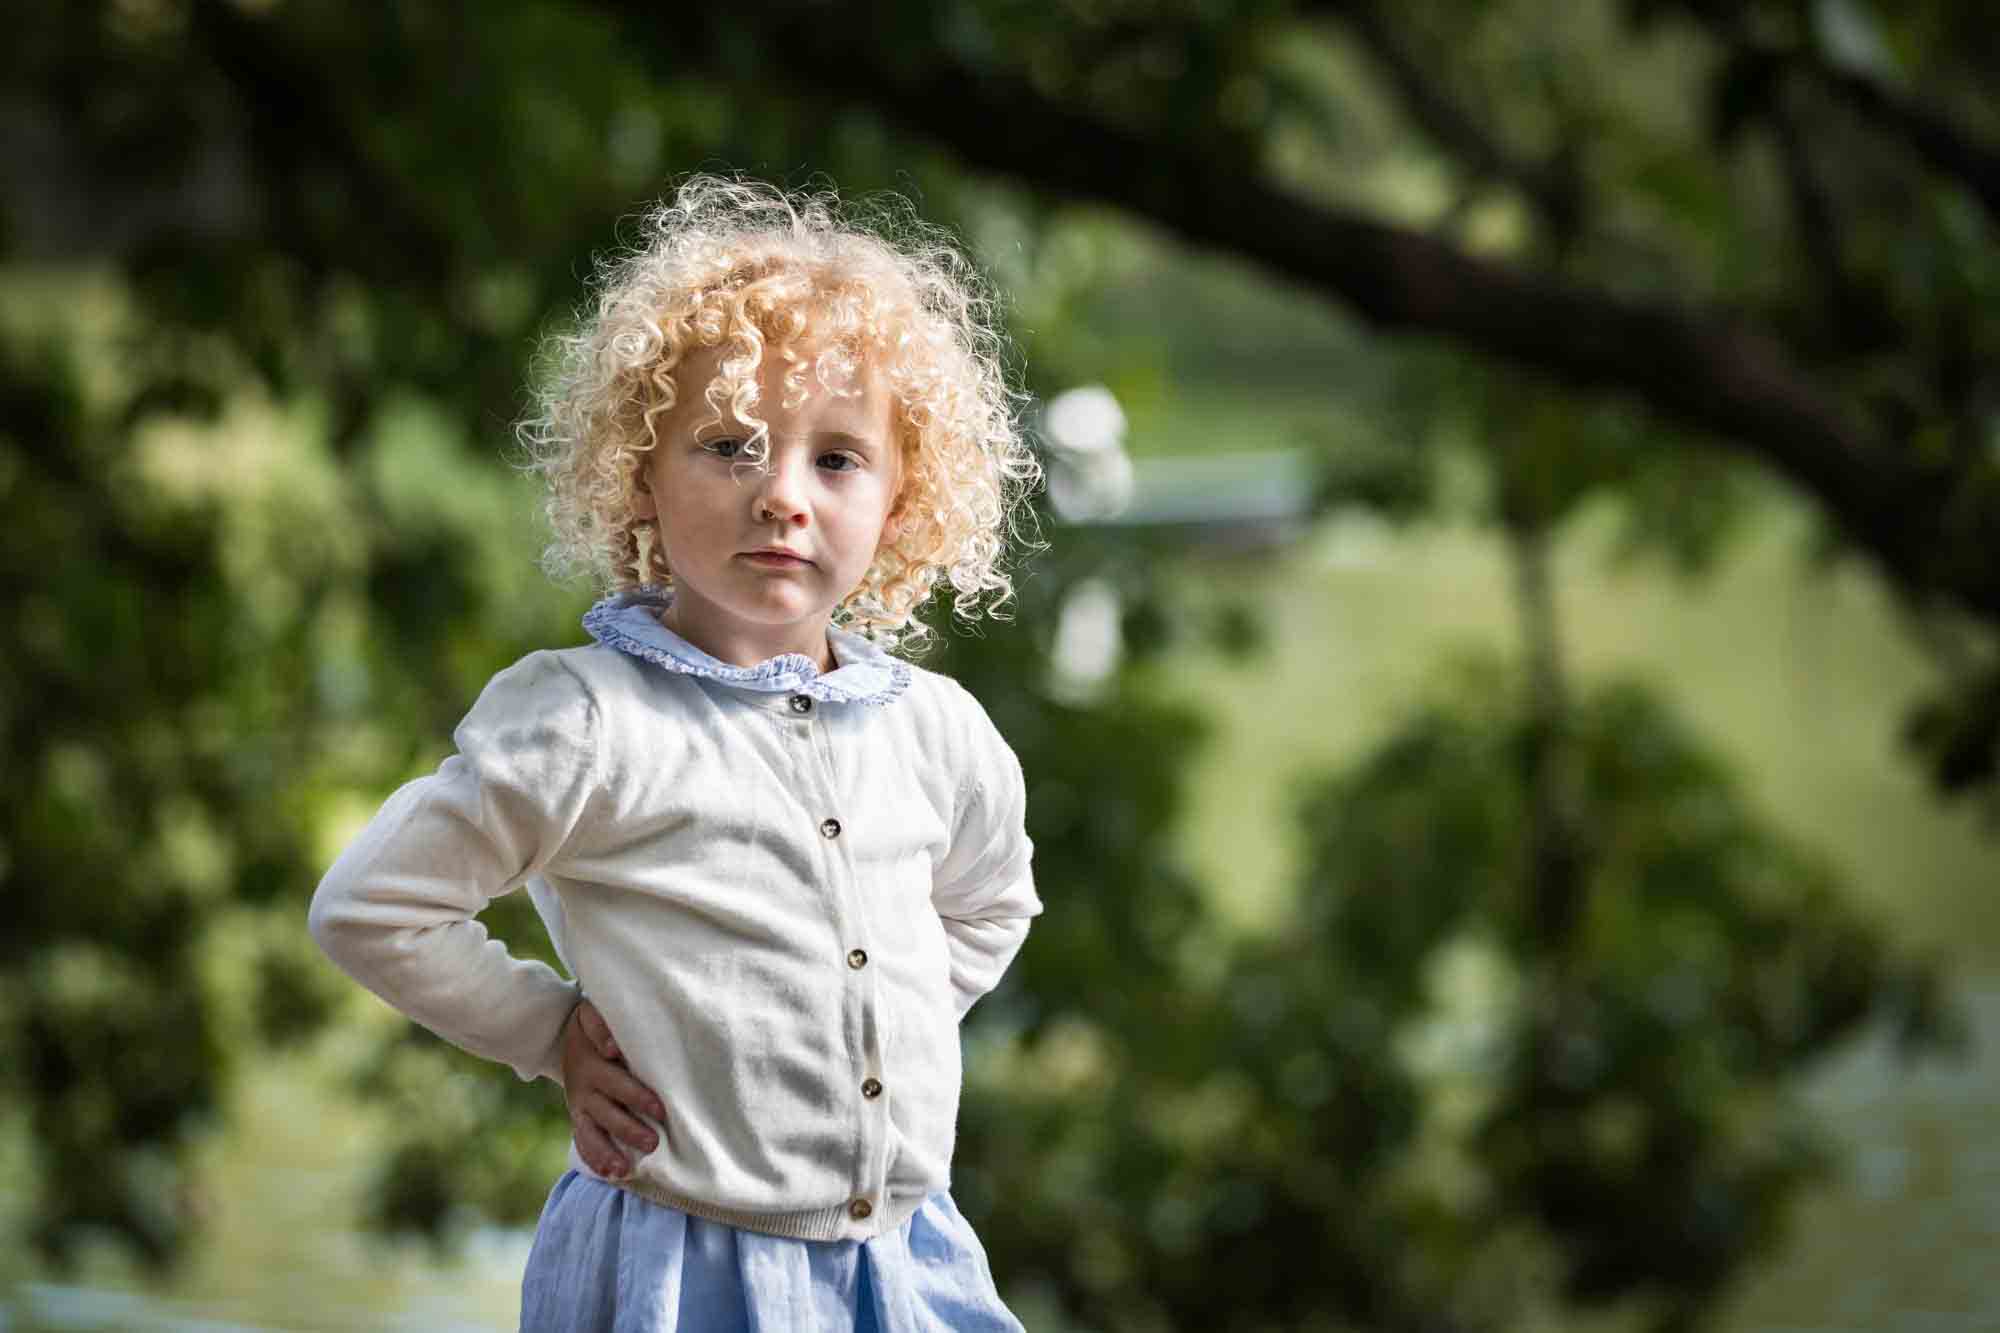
{"points": [[607, 1261]]}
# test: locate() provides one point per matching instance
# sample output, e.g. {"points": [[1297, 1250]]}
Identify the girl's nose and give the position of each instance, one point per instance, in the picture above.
{"points": [[779, 496]]}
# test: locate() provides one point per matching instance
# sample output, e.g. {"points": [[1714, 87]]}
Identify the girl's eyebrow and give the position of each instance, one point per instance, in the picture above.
{"points": [[846, 438]]}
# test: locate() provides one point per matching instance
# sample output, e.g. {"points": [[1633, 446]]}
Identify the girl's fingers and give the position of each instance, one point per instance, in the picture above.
{"points": [[620, 1086], [597, 1151], [615, 1120]]}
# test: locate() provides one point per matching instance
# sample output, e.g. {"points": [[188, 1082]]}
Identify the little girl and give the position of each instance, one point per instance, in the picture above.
{"points": [[781, 862]]}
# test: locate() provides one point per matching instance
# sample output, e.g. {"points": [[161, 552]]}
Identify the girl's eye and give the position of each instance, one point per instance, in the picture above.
{"points": [[723, 448], [839, 462]]}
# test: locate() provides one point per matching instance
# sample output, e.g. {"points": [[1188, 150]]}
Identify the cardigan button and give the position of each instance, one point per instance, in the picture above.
{"points": [[857, 959], [871, 1088], [829, 828], [860, 1210], [802, 704]]}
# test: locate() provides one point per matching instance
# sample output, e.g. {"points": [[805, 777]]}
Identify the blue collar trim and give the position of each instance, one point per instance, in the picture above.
{"points": [[863, 673]]}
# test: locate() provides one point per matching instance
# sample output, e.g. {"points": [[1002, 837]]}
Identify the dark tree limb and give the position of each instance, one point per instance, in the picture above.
{"points": [[1931, 529], [1700, 369]]}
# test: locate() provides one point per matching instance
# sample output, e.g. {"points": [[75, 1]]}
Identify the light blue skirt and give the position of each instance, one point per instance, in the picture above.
{"points": [[607, 1261]]}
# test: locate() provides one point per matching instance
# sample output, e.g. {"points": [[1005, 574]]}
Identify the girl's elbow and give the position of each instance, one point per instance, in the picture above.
{"points": [[330, 923]]}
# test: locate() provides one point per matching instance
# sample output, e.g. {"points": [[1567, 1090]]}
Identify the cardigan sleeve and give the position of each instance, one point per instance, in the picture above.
{"points": [[984, 888], [396, 910]]}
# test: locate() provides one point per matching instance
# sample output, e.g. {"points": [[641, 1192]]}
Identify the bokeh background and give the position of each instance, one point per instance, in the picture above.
{"points": [[1510, 693]]}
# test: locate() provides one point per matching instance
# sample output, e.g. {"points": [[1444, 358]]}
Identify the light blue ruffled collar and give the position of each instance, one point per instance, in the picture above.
{"points": [[863, 673]]}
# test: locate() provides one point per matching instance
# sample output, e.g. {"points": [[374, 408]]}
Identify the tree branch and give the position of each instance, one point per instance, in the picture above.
{"points": [[1699, 369]]}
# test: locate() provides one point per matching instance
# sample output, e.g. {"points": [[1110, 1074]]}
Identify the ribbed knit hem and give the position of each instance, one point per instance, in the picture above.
{"points": [[834, 1223]]}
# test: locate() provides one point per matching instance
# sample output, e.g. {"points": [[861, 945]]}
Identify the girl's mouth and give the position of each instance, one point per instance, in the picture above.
{"points": [[776, 559]]}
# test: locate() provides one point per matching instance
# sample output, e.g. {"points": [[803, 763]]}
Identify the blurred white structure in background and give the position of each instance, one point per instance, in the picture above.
{"points": [[1090, 641], [1222, 504], [1089, 472], [1228, 501], [1090, 480]]}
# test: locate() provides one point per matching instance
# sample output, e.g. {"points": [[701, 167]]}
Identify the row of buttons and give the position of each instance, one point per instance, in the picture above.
{"points": [[871, 1088], [859, 1209]]}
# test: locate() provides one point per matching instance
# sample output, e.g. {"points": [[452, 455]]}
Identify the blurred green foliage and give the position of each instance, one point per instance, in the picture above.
{"points": [[1410, 1095], [1532, 1032]]}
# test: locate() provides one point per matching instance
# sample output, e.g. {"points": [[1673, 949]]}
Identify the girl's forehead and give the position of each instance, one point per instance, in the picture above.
{"points": [[834, 356], [843, 391], [836, 369]]}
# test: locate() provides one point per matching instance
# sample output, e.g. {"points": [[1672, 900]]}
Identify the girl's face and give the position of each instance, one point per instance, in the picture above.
{"points": [[761, 556]]}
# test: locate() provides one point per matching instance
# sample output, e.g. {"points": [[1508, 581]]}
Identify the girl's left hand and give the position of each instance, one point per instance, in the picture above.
{"points": [[605, 1100]]}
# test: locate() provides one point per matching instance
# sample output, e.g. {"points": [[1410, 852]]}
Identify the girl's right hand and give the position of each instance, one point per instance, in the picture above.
{"points": [[605, 1100]]}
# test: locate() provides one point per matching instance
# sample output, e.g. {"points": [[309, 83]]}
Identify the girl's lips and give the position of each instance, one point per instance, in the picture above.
{"points": [[776, 559]]}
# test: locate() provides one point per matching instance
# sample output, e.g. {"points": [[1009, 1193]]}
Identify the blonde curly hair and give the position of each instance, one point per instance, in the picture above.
{"points": [[745, 266]]}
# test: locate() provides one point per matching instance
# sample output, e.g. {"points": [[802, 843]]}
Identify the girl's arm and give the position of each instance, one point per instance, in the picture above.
{"points": [[984, 889], [396, 910]]}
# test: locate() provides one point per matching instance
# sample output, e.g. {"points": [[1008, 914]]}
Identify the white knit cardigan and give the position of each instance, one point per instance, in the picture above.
{"points": [[782, 888]]}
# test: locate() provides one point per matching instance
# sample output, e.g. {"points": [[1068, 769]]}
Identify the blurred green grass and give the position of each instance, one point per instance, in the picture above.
{"points": [[1801, 677]]}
